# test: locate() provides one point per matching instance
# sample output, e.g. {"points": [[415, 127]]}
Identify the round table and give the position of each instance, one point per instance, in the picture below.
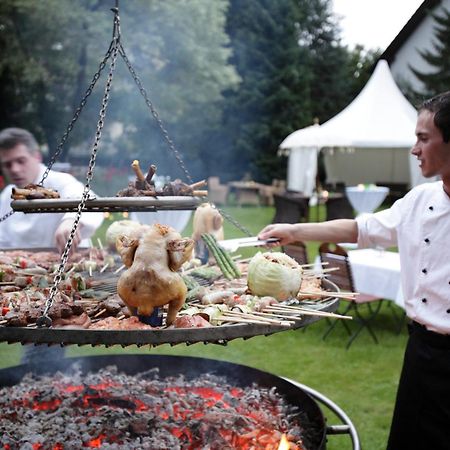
{"points": [[366, 199]]}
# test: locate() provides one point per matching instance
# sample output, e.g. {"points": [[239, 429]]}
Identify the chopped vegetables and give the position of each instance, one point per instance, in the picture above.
{"points": [[190, 282], [207, 273]]}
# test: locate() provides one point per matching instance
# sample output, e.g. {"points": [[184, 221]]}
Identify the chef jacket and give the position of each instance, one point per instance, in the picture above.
{"points": [[38, 230], [419, 224]]}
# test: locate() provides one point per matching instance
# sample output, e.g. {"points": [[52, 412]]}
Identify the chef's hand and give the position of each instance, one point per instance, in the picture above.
{"points": [[284, 232], [62, 234]]}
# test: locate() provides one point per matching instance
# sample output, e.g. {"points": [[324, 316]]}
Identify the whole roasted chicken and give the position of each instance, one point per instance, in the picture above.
{"points": [[153, 254]]}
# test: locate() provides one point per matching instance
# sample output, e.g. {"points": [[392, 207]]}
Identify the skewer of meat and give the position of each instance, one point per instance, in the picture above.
{"points": [[33, 191]]}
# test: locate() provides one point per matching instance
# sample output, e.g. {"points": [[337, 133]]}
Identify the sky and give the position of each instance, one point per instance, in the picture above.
{"points": [[373, 23]]}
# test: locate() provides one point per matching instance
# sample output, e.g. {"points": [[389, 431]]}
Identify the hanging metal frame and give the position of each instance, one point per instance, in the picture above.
{"points": [[106, 204]]}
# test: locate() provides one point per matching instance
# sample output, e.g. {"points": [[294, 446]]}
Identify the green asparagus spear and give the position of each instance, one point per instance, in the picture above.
{"points": [[227, 257], [213, 248]]}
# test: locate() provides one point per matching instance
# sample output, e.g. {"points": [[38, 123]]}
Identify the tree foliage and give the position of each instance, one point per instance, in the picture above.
{"points": [[181, 54], [178, 48], [293, 68], [271, 97], [438, 78], [361, 64], [327, 59], [41, 45], [228, 80]]}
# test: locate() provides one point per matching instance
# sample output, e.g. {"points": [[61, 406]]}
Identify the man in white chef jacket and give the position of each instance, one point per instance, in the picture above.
{"points": [[21, 163], [419, 224]]}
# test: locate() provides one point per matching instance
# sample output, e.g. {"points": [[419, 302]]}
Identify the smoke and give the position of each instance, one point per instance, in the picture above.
{"points": [[184, 72]]}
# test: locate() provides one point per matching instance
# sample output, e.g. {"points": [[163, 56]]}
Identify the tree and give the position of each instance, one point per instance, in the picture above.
{"points": [[38, 68], [274, 93], [178, 48], [327, 59], [361, 64], [293, 68], [438, 79], [188, 74]]}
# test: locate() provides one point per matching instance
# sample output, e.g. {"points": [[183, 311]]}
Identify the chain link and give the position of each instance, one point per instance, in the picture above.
{"points": [[8, 214], [45, 319], [155, 114]]}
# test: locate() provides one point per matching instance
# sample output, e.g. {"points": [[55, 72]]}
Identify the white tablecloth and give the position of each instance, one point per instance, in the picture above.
{"points": [[174, 219], [377, 272], [366, 200]]}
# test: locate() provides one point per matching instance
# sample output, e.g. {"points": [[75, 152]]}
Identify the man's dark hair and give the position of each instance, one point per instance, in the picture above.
{"points": [[440, 106], [10, 137]]}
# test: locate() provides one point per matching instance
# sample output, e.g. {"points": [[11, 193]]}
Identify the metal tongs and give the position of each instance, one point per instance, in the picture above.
{"points": [[232, 245]]}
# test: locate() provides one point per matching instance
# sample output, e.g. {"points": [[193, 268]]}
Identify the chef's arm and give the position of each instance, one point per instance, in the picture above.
{"points": [[62, 234], [340, 230]]}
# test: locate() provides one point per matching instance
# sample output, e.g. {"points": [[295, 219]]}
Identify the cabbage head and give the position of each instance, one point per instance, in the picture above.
{"points": [[274, 274]]}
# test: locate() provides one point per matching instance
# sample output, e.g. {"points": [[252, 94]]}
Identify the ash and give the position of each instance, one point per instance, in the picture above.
{"points": [[109, 409]]}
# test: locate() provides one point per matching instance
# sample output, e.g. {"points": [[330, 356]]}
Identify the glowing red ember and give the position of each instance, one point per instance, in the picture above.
{"points": [[142, 411]]}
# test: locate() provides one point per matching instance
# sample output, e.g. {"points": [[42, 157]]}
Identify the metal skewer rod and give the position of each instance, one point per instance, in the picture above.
{"points": [[306, 312]]}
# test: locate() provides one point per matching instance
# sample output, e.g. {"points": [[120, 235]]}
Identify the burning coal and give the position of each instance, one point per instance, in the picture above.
{"points": [[112, 410]]}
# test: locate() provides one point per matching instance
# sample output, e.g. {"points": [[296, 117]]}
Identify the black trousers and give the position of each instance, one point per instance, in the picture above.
{"points": [[421, 418]]}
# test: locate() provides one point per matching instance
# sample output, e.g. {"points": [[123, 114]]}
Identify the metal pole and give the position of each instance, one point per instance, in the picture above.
{"points": [[337, 429]]}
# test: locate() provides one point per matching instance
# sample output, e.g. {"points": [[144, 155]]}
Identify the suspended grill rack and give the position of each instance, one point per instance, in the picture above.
{"points": [[108, 204], [96, 296], [220, 334]]}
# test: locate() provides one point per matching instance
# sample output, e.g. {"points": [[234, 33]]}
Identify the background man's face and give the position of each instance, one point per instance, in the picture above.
{"points": [[19, 165]]}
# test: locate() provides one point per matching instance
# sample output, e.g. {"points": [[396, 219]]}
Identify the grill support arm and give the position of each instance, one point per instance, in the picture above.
{"points": [[348, 426]]}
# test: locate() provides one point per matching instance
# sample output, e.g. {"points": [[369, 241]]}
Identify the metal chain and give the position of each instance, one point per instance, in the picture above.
{"points": [[167, 137], [8, 214], [234, 222], [45, 319], [155, 114]]}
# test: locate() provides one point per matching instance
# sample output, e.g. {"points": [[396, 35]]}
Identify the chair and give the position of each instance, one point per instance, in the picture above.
{"points": [[217, 193], [297, 251], [337, 257], [291, 207], [337, 206], [266, 192]]}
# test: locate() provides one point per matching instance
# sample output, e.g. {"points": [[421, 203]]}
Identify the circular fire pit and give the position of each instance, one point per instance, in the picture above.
{"points": [[301, 411]]}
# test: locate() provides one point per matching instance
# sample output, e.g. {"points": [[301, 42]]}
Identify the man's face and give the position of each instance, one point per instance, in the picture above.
{"points": [[431, 151], [19, 165]]}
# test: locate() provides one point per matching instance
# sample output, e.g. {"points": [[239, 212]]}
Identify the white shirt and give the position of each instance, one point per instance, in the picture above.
{"points": [[175, 219], [419, 224], [38, 230]]}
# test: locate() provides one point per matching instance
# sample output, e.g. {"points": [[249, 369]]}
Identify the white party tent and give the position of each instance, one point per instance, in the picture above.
{"points": [[367, 142]]}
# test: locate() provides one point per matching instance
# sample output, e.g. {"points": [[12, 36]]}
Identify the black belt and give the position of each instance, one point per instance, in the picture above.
{"points": [[431, 337]]}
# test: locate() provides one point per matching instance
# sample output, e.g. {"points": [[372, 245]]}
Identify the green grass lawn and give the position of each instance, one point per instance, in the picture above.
{"points": [[361, 380]]}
